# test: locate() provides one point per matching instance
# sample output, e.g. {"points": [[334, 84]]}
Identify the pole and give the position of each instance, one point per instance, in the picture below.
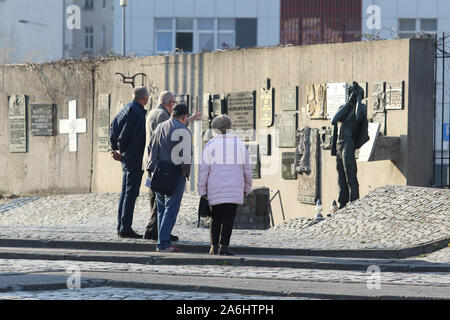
{"points": [[123, 31]]}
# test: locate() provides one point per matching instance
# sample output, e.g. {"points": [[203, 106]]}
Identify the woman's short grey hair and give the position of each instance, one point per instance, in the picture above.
{"points": [[221, 123], [165, 97], [140, 93]]}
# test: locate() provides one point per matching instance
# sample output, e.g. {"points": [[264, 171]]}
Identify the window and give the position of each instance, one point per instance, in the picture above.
{"points": [[185, 34], [428, 25], [164, 32], [226, 34], [202, 34], [206, 34], [88, 38], [408, 27]]}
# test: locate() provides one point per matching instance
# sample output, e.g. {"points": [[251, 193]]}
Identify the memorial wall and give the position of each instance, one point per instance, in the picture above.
{"points": [[281, 101]]}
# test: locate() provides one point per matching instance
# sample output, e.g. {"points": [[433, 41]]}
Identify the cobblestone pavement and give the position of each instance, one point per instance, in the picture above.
{"points": [[37, 266], [109, 293], [389, 217]]}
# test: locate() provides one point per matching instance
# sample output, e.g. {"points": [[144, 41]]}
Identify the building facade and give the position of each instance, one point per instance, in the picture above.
{"points": [[164, 26], [46, 30], [95, 36]]}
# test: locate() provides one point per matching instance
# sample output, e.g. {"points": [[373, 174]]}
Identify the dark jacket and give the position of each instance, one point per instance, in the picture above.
{"points": [[127, 134], [169, 135]]}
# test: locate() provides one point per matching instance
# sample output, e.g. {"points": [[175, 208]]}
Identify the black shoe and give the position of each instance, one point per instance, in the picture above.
{"points": [[225, 251], [173, 238], [130, 235], [150, 236]]}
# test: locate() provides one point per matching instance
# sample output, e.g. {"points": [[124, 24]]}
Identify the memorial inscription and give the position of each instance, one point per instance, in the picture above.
{"points": [[17, 115], [103, 122], [336, 97], [42, 119], [253, 151], [241, 110], [379, 105], [394, 95], [267, 107], [288, 166], [289, 98], [287, 127]]}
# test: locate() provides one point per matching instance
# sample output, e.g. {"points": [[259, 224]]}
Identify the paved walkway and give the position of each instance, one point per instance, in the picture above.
{"points": [[382, 220]]}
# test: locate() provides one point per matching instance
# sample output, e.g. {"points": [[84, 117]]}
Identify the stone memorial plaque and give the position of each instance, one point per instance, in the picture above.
{"points": [[308, 168], [253, 151], [378, 97], [287, 126], [336, 97], [267, 107], [241, 110], [289, 98], [218, 105], [288, 166], [103, 122], [316, 99], [183, 98], [17, 115], [394, 95], [265, 144], [366, 151], [42, 120], [206, 111]]}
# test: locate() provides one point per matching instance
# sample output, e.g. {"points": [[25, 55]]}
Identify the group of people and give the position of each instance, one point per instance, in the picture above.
{"points": [[223, 184], [225, 172]]}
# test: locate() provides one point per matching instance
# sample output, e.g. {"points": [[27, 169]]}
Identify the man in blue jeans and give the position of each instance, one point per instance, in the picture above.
{"points": [[127, 138], [172, 143]]}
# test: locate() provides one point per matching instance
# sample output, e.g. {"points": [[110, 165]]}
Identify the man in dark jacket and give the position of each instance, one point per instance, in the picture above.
{"points": [[127, 138]]}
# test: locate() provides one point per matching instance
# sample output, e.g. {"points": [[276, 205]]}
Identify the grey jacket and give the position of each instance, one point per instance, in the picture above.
{"points": [[154, 118], [171, 142]]}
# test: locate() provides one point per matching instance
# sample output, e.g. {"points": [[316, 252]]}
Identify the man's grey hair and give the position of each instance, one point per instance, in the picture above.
{"points": [[165, 97], [140, 93], [221, 123]]}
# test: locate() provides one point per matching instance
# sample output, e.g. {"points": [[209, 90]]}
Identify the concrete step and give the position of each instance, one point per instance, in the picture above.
{"points": [[150, 246], [267, 261]]}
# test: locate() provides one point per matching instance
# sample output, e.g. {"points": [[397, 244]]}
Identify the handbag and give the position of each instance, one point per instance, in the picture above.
{"points": [[204, 209], [165, 178]]}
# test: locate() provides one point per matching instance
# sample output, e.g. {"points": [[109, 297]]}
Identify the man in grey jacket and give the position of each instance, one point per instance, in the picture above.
{"points": [[166, 103], [171, 143]]}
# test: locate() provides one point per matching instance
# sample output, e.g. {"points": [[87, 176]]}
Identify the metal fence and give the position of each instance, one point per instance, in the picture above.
{"points": [[442, 111]]}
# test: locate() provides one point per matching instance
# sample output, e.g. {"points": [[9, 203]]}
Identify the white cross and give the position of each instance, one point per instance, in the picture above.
{"points": [[72, 126]]}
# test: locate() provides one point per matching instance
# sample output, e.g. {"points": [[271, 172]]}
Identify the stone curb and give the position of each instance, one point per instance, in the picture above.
{"points": [[206, 260], [133, 245], [97, 283]]}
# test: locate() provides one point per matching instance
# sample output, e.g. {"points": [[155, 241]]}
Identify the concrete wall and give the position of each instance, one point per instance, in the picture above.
{"points": [[246, 70], [48, 166]]}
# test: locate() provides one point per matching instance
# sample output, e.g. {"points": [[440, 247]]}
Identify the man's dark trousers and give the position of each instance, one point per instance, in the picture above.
{"points": [[152, 227], [347, 172], [131, 183]]}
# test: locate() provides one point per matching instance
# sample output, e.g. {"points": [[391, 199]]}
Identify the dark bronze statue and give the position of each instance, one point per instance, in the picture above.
{"points": [[353, 133]]}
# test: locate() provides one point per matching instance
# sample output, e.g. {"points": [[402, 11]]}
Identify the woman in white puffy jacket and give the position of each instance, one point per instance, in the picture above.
{"points": [[225, 178]]}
